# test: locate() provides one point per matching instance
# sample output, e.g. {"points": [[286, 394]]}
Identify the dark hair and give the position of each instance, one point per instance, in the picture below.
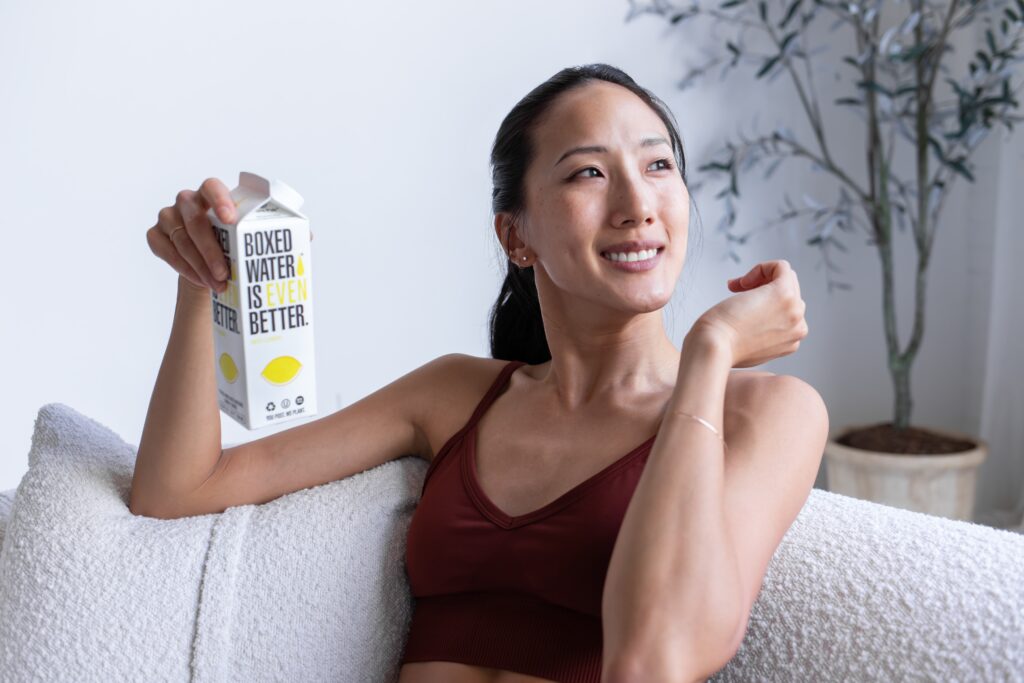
{"points": [[516, 326]]}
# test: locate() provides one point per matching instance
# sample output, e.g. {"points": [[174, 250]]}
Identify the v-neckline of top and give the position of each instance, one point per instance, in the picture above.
{"points": [[496, 514]]}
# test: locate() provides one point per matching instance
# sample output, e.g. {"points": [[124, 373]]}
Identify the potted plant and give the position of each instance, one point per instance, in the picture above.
{"points": [[893, 81]]}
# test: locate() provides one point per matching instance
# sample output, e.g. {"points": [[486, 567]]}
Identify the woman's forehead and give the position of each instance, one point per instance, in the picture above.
{"points": [[611, 117]]}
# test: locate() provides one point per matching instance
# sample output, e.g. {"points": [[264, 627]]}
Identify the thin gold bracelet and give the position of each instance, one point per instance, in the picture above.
{"points": [[705, 423]]}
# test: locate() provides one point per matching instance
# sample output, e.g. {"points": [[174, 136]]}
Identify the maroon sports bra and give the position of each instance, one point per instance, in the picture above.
{"points": [[521, 593]]}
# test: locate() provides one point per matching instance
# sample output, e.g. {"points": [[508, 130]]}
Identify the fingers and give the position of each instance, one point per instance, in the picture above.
{"points": [[185, 237], [755, 277], [201, 249], [770, 271], [762, 273], [216, 194], [160, 244]]}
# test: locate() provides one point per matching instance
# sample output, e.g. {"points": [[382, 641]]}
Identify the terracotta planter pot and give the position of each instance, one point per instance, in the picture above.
{"points": [[941, 484]]}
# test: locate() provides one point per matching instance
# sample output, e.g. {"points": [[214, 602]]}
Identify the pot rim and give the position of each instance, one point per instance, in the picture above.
{"points": [[967, 458]]}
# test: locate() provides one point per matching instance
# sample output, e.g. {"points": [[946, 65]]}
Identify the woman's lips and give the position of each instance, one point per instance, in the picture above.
{"points": [[635, 266]]}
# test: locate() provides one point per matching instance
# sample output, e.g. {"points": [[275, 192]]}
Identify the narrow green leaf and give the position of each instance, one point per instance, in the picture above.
{"points": [[790, 12], [785, 41], [913, 53], [767, 66], [991, 39], [849, 101], [991, 100], [961, 93], [838, 245], [937, 147], [984, 58], [762, 7], [961, 169]]}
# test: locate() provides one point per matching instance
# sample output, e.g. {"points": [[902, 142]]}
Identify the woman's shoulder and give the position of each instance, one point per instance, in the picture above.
{"points": [[741, 384], [464, 371], [460, 380]]}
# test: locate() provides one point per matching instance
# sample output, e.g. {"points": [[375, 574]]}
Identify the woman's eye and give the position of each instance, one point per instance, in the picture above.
{"points": [[668, 164]]}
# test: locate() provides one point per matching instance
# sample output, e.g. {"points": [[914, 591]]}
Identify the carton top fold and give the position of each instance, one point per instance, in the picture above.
{"points": [[255, 192]]}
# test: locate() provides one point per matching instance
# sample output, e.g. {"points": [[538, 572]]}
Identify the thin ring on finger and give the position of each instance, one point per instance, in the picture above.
{"points": [[193, 258]]}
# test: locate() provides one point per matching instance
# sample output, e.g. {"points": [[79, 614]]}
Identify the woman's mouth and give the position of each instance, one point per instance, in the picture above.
{"points": [[635, 261]]}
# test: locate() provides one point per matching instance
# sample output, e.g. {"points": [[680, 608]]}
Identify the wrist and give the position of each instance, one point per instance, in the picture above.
{"points": [[705, 365], [708, 344], [191, 293]]}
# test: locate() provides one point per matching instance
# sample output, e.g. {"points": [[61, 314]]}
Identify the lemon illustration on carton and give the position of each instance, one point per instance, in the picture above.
{"points": [[228, 368], [281, 370]]}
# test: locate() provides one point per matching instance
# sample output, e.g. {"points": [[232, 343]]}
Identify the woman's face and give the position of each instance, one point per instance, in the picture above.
{"points": [[577, 206]]}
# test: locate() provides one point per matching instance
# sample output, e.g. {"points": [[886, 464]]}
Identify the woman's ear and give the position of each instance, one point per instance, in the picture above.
{"points": [[501, 229], [508, 233]]}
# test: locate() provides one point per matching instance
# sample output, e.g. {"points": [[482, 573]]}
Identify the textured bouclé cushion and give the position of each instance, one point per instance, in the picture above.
{"points": [[308, 587], [312, 586], [6, 501]]}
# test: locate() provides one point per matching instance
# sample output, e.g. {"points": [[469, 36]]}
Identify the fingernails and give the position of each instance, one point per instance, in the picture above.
{"points": [[224, 211], [220, 271]]}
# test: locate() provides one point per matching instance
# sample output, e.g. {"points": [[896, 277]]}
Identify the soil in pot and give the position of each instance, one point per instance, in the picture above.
{"points": [[883, 437]]}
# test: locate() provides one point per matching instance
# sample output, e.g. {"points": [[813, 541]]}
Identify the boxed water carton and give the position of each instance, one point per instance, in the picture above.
{"points": [[263, 321]]}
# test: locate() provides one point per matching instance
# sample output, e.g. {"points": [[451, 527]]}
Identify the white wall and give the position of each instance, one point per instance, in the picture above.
{"points": [[382, 116]]}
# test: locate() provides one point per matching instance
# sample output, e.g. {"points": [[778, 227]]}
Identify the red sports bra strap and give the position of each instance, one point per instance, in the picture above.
{"points": [[492, 393], [481, 408]]}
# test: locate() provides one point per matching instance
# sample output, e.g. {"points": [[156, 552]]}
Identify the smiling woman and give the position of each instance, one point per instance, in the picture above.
{"points": [[577, 522], [511, 542]]}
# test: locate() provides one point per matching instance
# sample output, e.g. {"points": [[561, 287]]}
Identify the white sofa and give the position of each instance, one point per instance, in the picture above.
{"points": [[312, 586]]}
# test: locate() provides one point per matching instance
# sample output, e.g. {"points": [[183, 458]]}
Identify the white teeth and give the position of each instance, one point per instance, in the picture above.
{"points": [[632, 255]]}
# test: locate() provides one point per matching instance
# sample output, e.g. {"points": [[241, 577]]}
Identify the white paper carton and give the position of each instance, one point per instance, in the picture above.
{"points": [[263, 321]]}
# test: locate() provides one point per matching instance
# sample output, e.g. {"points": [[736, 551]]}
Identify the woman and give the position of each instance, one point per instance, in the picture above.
{"points": [[587, 432]]}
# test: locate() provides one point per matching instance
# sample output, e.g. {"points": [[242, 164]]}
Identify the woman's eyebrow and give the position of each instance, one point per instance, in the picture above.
{"points": [[601, 149]]}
